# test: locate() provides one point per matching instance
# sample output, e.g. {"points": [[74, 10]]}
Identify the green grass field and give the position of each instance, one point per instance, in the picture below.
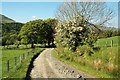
{"points": [[18, 71], [103, 63], [107, 41]]}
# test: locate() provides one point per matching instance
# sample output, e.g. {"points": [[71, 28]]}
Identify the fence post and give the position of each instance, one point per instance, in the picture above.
{"points": [[111, 43], [20, 59], [23, 56], [15, 61], [27, 54], [8, 65]]}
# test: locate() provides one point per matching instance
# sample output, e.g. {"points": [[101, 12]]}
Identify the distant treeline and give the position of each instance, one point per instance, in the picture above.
{"points": [[33, 32], [11, 28], [11, 31], [109, 33]]}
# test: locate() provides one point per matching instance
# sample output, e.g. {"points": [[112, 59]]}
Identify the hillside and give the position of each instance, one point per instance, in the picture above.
{"points": [[108, 28], [5, 19]]}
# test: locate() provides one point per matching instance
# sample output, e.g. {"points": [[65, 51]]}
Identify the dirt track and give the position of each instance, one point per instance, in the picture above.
{"points": [[46, 66]]}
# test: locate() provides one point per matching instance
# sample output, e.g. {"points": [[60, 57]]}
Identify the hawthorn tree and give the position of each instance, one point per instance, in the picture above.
{"points": [[78, 20]]}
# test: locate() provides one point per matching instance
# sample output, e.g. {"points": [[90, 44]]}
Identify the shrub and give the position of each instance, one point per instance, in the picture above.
{"points": [[96, 48], [85, 50]]}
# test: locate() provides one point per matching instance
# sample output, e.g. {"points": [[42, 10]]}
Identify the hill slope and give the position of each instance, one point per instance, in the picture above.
{"points": [[5, 19]]}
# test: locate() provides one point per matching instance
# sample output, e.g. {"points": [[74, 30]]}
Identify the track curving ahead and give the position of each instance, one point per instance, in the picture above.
{"points": [[46, 66]]}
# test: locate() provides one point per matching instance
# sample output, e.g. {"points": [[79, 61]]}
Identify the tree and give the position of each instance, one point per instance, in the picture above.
{"points": [[50, 28], [91, 12], [24, 40], [107, 33], [11, 28], [4, 39], [10, 33], [31, 30], [38, 31], [17, 40], [9, 39], [79, 19], [115, 33]]}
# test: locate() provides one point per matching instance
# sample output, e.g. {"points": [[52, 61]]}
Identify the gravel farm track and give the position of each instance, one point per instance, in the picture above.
{"points": [[46, 66]]}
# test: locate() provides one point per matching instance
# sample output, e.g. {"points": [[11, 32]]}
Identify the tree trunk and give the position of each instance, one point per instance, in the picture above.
{"points": [[17, 45], [48, 43], [32, 45], [76, 44], [53, 42], [26, 45]]}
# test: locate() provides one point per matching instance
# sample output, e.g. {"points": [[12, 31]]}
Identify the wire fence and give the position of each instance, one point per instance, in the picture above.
{"points": [[15, 63], [110, 43]]}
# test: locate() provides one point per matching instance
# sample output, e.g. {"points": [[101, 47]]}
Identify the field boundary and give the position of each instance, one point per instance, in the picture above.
{"points": [[15, 64]]}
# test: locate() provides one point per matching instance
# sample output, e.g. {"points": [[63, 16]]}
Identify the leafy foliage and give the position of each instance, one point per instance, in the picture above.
{"points": [[30, 31], [109, 33], [11, 28], [10, 33], [78, 24], [38, 31], [74, 33]]}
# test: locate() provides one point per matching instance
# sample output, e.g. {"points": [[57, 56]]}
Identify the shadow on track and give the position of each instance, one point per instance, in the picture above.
{"points": [[31, 66]]}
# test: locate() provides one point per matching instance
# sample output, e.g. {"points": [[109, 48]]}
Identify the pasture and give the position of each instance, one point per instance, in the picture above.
{"points": [[107, 41], [15, 61]]}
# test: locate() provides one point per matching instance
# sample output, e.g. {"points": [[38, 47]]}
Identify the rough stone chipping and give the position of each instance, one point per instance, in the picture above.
{"points": [[46, 66]]}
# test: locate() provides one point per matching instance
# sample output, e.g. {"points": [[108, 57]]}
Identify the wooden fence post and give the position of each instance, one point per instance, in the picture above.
{"points": [[27, 54], [23, 56], [15, 61], [8, 65], [20, 59]]}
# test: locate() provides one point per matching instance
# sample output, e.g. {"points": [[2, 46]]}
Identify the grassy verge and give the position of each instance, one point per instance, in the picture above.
{"points": [[18, 71], [86, 69], [100, 61]]}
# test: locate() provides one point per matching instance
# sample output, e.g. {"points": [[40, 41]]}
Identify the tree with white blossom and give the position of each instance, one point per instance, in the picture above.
{"points": [[79, 22]]}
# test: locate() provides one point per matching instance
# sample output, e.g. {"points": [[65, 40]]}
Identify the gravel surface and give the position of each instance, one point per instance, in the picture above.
{"points": [[46, 66]]}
